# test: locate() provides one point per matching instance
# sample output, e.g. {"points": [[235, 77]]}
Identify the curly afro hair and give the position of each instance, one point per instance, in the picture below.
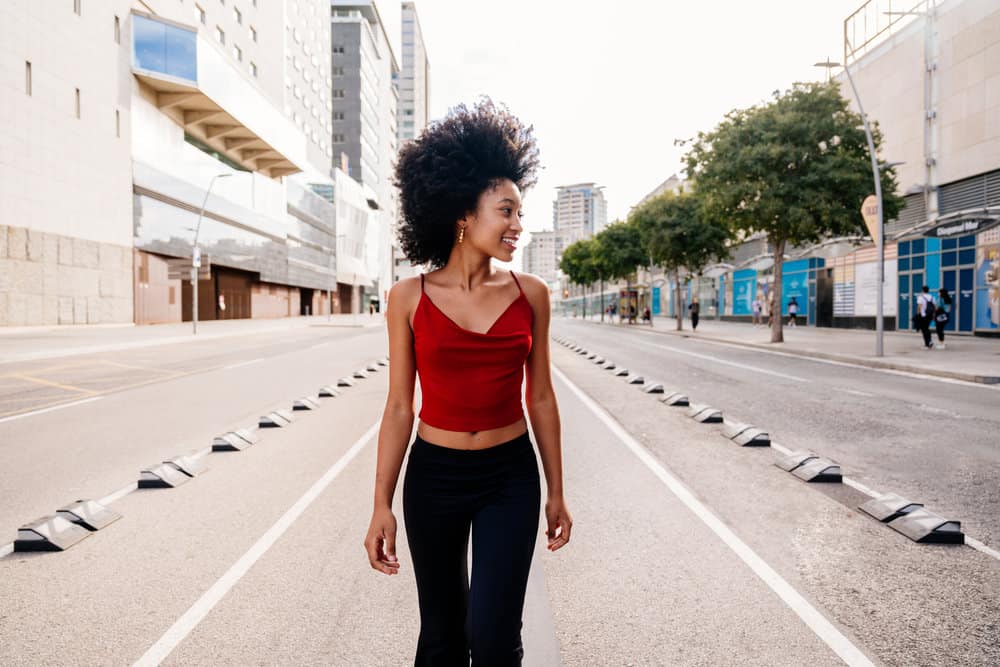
{"points": [[441, 175]]}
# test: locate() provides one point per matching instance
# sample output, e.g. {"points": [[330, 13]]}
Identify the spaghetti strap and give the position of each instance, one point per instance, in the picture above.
{"points": [[422, 283], [517, 282]]}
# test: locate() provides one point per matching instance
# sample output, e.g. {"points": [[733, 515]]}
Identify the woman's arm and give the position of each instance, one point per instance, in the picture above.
{"points": [[544, 413], [397, 423]]}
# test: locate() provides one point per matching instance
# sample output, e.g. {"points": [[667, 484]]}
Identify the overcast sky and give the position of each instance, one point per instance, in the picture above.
{"points": [[609, 86]]}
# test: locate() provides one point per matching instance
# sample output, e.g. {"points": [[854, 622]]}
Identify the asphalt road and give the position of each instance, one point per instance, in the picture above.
{"points": [[687, 550], [930, 440]]}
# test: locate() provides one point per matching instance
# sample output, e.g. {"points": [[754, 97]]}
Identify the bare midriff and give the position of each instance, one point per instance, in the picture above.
{"points": [[467, 440]]}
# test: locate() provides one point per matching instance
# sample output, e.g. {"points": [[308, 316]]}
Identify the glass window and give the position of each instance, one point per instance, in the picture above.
{"points": [[253, 33], [904, 248], [253, 68], [949, 244], [338, 93], [338, 138], [118, 31], [238, 15], [27, 77], [165, 49], [903, 265], [916, 246], [220, 35], [967, 241], [967, 255], [949, 258], [237, 53], [917, 262], [200, 13]]}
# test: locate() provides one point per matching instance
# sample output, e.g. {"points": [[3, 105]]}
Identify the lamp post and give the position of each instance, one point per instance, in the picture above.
{"points": [[196, 255], [880, 236]]}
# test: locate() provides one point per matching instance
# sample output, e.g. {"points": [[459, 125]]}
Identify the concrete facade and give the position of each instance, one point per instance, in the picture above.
{"points": [[542, 256], [579, 211], [414, 80]]}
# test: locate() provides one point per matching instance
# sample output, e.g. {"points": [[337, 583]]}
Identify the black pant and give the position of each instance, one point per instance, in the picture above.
{"points": [[924, 324], [939, 327], [496, 492], [694, 320]]}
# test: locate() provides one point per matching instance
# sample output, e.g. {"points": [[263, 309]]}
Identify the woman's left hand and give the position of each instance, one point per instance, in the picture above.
{"points": [[560, 523]]}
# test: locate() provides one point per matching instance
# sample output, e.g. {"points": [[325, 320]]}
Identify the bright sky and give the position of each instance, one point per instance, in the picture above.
{"points": [[609, 86]]}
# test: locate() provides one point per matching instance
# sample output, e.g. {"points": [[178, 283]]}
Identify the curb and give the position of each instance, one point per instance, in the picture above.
{"points": [[843, 358]]}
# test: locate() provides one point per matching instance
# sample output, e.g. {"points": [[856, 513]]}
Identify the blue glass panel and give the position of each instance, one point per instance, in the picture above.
{"points": [[916, 246], [967, 256], [149, 44], [904, 248], [933, 245], [904, 302], [949, 258], [744, 291], [166, 49], [182, 56], [949, 244], [917, 262], [948, 282], [903, 264], [967, 241], [933, 270], [965, 311]]}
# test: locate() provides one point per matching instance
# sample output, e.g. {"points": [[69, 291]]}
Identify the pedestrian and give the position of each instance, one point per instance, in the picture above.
{"points": [[694, 309], [647, 316], [924, 315], [470, 331], [793, 311], [755, 308], [943, 316], [770, 309]]}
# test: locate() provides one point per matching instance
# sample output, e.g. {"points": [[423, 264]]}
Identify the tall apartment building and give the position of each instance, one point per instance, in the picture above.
{"points": [[414, 80], [579, 211], [140, 112], [365, 104], [414, 103]]}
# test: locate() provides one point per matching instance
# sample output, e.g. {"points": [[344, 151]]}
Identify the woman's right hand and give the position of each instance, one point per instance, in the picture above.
{"points": [[381, 542]]}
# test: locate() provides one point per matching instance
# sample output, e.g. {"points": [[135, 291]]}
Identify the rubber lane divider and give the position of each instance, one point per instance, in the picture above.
{"points": [[328, 391], [653, 388], [276, 419], [676, 399], [345, 382], [88, 514], [189, 465], [608, 366], [746, 435], [914, 520], [814, 620], [305, 403], [235, 441], [161, 476], [621, 372], [49, 533], [201, 608], [359, 374], [705, 414]]}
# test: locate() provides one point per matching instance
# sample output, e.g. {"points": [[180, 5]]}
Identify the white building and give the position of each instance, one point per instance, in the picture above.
{"points": [[365, 104], [542, 256], [579, 211]]}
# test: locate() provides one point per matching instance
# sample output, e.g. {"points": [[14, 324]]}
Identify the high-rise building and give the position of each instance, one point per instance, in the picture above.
{"points": [[365, 103], [414, 81], [414, 103], [579, 211]]}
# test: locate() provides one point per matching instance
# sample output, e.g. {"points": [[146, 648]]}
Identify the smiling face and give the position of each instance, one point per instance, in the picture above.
{"points": [[495, 226]]}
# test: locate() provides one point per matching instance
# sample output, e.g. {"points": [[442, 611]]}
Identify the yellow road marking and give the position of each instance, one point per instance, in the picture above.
{"points": [[67, 387]]}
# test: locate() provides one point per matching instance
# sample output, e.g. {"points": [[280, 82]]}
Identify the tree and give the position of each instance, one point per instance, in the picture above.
{"points": [[579, 266], [620, 248], [796, 169], [679, 237]]}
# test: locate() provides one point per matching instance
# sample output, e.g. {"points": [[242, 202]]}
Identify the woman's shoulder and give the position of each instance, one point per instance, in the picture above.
{"points": [[405, 293], [536, 290]]}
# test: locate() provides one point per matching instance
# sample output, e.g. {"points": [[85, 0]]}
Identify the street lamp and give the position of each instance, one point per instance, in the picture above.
{"points": [[880, 236], [196, 256]]}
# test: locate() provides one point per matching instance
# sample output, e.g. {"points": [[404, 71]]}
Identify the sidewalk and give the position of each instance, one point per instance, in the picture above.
{"points": [[30, 343], [969, 358]]}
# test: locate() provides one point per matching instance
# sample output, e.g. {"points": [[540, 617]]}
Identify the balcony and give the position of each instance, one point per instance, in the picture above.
{"points": [[196, 86]]}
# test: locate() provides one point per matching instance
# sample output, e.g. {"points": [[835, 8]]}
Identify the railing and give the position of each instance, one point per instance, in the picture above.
{"points": [[876, 20]]}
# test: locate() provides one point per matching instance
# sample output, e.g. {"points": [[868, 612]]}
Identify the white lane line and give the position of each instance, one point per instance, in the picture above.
{"points": [[119, 494], [52, 409], [854, 392], [716, 360], [243, 363], [833, 362], [6, 550], [816, 622], [979, 546], [200, 609]]}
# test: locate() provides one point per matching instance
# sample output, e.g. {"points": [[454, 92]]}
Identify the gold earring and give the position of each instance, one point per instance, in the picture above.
{"points": [[461, 234]]}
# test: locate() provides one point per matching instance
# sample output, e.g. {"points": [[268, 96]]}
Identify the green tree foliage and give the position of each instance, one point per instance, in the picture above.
{"points": [[581, 265], [678, 236], [621, 248], [796, 169]]}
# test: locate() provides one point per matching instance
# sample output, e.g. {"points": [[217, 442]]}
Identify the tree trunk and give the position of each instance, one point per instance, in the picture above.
{"points": [[584, 302], [678, 305], [627, 315], [777, 333]]}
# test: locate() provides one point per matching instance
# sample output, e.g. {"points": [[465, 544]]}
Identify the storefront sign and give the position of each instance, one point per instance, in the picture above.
{"points": [[962, 227], [869, 211]]}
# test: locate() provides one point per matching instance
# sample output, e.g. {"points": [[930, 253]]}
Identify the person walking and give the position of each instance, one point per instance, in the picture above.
{"points": [[943, 316], [755, 308], [925, 315], [470, 331], [793, 311], [694, 309]]}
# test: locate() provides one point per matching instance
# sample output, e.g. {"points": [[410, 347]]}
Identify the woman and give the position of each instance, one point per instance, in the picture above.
{"points": [[470, 330], [942, 316], [694, 309], [793, 311]]}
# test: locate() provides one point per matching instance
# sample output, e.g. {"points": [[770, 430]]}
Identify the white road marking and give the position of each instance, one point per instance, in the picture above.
{"points": [[200, 609], [832, 362], [51, 409], [716, 360], [854, 392], [816, 622], [119, 494]]}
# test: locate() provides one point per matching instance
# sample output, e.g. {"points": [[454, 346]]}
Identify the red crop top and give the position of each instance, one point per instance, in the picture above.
{"points": [[471, 381]]}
